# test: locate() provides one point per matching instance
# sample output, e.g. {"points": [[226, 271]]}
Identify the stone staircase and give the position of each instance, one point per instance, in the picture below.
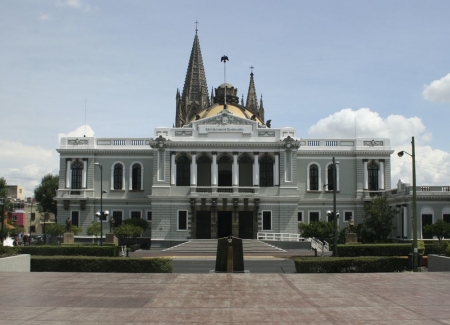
{"points": [[210, 246]]}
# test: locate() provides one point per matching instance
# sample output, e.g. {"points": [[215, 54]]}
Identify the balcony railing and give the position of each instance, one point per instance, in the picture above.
{"points": [[224, 189], [74, 193]]}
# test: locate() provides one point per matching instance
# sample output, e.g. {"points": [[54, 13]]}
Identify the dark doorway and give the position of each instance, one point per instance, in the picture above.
{"points": [[224, 226], [246, 224], [427, 219], [203, 225], [224, 171]]}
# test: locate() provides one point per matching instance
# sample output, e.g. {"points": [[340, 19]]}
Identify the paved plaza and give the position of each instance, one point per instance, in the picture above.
{"points": [[113, 298]]}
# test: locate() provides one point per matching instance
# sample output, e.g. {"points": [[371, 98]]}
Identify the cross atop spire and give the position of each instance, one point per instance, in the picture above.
{"points": [[196, 27], [251, 68]]}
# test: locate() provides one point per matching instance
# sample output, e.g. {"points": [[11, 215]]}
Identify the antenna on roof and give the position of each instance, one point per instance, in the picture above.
{"points": [[85, 117], [224, 59]]}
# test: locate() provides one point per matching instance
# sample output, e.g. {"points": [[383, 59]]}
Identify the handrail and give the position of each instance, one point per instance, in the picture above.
{"points": [[318, 244], [279, 236]]}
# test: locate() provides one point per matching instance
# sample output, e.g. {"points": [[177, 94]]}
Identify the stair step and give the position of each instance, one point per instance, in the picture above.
{"points": [[210, 246]]}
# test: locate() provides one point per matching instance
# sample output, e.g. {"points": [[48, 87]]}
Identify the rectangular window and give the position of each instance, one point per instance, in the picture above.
{"points": [[135, 214], [348, 215], [313, 217], [299, 216], [32, 229], [182, 220], [33, 216], [267, 220], [149, 216], [76, 218], [118, 217], [446, 218]]}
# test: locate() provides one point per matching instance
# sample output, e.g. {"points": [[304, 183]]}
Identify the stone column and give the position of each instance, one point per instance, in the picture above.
{"points": [[366, 175], [381, 175], [214, 172], [256, 169], [173, 169], [84, 175], [194, 169], [276, 170], [68, 174], [235, 169]]}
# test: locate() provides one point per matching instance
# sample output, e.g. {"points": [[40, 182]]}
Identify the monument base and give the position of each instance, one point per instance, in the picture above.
{"points": [[351, 237], [68, 238], [111, 239]]}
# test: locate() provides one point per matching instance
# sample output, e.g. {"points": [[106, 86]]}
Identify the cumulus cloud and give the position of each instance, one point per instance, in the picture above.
{"points": [[84, 130], [432, 164], [438, 91], [77, 4], [44, 17], [25, 165]]}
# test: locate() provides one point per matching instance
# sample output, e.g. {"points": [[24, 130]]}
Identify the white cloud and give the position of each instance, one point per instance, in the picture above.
{"points": [[25, 165], [77, 4], [84, 130], [44, 17], [438, 91], [432, 165]]}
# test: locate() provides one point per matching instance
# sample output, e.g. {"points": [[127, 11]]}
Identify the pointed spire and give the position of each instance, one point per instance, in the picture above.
{"points": [[261, 109], [212, 95], [252, 99], [195, 90], [242, 100]]}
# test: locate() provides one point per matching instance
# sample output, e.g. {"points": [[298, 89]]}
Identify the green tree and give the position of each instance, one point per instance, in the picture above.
{"points": [[76, 230], [127, 231], [94, 229], [138, 222], [45, 194], [440, 229], [54, 230], [378, 220], [321, 230], [3, 188]]}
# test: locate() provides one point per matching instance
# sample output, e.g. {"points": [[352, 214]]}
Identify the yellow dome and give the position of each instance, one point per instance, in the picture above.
{"points": [[235, 110]]}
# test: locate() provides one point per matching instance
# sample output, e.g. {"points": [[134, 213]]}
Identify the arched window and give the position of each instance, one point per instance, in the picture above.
{"points": [[266, 171], [373, 176], [246, 171], [183, 171], [313, 177], [136, 173], [224, 168], [203, 171], [330, 183], [77, 176], [118, 177]]}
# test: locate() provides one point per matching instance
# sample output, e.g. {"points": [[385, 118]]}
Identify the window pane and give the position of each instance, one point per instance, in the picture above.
{"points": [[75, 218], [136, 177], [267, 220], [314, 178], [182, 220], [299, 216], [118, 174], [446, 218], [348, 215], [313, 216], [136, 214], [149, 216]]}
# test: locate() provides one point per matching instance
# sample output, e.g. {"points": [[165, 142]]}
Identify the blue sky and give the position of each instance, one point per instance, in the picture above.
{"points": [[320, 66]]}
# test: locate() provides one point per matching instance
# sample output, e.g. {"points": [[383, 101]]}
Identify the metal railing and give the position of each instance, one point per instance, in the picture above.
{"points": [[279, 236], [318, 244]]}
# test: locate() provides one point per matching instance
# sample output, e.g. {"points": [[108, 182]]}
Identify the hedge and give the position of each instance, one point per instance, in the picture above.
{"points": [[367, 264], [352, 250], [6, 251], [100, 264], [70, 250]]}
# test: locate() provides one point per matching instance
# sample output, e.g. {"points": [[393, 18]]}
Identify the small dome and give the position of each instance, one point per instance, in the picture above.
{"points": [[226, 84]]}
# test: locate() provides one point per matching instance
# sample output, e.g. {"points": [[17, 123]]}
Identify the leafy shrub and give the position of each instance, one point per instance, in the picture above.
{"points": [[366, 264], [70, 250], [374, 250], [6, 251], [438, 248], [138, 222], [100, 264]]}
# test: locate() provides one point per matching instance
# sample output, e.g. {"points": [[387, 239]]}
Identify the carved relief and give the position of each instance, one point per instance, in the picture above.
{"points": [[77, 142], [183, 133], [373, 143], [266, 133], [159, 142], [290, 143]]}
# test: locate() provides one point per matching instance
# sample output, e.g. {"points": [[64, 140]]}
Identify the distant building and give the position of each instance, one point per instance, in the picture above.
{"points": [[16, 192], [223, 169]]}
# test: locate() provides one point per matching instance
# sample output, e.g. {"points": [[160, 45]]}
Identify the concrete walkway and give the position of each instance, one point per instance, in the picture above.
{"points": [[112, 298]]}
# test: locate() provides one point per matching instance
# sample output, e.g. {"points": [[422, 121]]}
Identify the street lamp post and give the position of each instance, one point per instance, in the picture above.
{"points": [[335, 216], [2, 203], [102, 213], [414, 217]]}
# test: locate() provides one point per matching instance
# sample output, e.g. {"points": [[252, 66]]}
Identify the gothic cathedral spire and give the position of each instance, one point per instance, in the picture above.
{"points": [[252, 98], [195, 96]]}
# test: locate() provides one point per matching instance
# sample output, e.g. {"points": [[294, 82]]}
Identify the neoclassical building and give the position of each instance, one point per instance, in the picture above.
{"points": [[223, 169]]}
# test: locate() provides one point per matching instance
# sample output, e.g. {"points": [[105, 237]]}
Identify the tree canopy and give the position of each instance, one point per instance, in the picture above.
{"points": [[378, 220], [3, 188], [45, 194], [440, 229]]}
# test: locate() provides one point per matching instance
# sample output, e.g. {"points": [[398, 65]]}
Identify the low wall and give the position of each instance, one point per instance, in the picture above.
{"points": [[289, 244], [438, 263], [17, 263]]}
